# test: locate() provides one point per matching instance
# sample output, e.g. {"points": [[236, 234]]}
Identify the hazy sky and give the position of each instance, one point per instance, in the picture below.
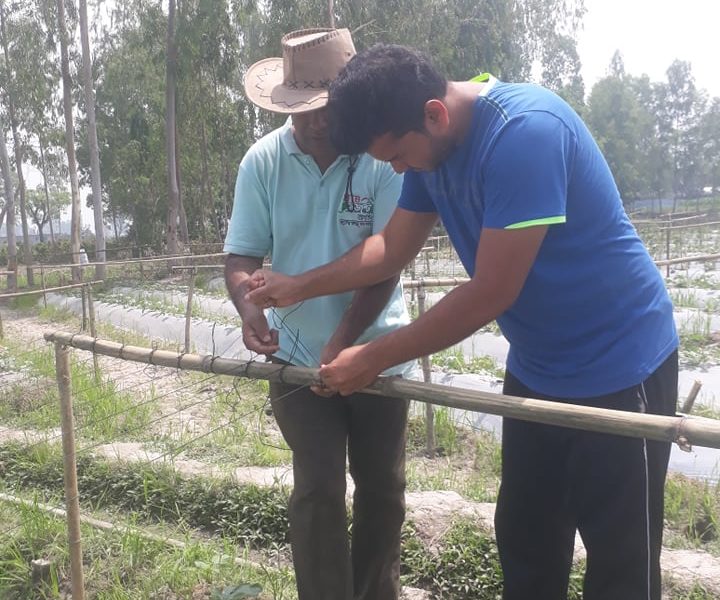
{"points": [[651, 34]]}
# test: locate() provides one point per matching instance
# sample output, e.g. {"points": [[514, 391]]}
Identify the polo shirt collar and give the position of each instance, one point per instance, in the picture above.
{"points": [[288, 141]]}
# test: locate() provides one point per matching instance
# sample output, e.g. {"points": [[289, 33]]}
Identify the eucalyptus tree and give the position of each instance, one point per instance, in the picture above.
{"points": [[710, 137], [680, 107], [9, 212], [624, 127], [89, 90], [14, 49], [131, 120], [170, 129], [75, 214], [46, 205]]}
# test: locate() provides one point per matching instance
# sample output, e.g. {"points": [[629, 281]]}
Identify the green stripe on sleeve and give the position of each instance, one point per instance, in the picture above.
{"points": [[482, 78], [534, 222]]}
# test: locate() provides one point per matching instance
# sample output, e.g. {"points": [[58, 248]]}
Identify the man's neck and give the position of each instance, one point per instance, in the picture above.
{"points": [[323, 154], [460, 101]]}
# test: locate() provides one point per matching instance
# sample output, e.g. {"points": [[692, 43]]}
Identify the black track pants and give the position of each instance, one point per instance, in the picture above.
{"points": [[609, 488]]}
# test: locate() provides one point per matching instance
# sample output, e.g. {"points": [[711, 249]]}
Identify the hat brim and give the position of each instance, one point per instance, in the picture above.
{"points": [[264, 87]]}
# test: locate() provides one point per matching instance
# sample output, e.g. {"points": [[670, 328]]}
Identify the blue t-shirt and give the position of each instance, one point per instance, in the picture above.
{"points": [[594, 316]]}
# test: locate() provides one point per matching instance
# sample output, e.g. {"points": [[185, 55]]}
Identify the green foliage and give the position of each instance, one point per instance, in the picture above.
{"points": [[248, 514], [101, 410], [692, 509], [465, 565]]}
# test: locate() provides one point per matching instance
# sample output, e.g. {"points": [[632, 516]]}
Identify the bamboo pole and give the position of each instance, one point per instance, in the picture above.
{"points": [[43, 291], [140, 261], [188, 309], [697, 430], [72, 500], [430, 282], [427, 378], [687, 259], [689, 225], [667, 247]]}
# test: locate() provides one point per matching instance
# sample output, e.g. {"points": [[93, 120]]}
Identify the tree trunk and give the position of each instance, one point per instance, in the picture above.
{"points": [[75, 214], [10, 209], [17, 146], [47, 191], [331, 14], [93, 144], [206, 201], [170, 90]]}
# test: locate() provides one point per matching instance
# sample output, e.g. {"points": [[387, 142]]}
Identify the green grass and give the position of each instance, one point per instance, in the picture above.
{"points": [[125, 565], [692, 511], [454, 361], [101, 410]]}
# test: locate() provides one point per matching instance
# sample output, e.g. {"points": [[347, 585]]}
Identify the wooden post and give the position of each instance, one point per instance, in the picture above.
{"points": [[84, 325], [691, 397], [72, 499], [188, 309], [93, 329], [427, 378], [2, 333], [667, 244], [42, 285]]}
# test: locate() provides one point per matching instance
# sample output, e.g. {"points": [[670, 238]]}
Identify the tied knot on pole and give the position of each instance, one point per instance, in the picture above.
{"points": [[680, 438]]}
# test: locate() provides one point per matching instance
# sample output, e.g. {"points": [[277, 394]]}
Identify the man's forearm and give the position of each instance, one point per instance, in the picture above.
{"points": [[363, 266], [458, 315], [366, 305], [238, 270]]}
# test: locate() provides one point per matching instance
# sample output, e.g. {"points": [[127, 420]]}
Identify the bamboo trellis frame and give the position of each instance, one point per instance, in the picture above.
{"points": [[681, 429]]}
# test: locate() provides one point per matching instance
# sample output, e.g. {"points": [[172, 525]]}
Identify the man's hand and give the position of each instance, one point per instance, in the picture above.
{"points": [[269, 288], [257, 336], [351, 371], [329, 352]]}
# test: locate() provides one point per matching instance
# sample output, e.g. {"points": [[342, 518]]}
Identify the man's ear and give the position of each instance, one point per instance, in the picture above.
{"points": [[437, 119]]}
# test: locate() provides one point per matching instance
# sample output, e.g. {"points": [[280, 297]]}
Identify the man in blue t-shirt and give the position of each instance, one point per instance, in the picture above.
{"points": [[532, 209], [302, 202]]}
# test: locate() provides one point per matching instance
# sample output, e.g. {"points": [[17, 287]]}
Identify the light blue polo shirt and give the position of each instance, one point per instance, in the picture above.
{"points": [[286, 208]]}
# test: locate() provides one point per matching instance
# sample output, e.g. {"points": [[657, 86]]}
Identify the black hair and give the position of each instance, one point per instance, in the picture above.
{"points": [[381, 90]]}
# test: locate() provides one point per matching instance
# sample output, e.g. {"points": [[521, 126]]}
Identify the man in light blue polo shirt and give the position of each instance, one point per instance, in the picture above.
{"points": [[299, 201]]}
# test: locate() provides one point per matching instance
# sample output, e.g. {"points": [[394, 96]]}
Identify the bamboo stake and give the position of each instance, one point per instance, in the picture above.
{"points": [[72, 500], [42, 285], [691, 397], [427, 378], [83, 297], [697, 430], [93, 329], [188, 309]]}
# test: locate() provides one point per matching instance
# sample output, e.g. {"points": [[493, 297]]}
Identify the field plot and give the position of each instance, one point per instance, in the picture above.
{"points": [[183, 477]]}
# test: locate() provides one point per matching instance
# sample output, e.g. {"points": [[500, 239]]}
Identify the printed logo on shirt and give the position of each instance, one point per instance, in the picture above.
{"points": [[356, 211]]}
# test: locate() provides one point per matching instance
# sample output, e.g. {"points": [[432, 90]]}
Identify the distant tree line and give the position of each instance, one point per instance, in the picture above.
{"points": [[164, 81]]}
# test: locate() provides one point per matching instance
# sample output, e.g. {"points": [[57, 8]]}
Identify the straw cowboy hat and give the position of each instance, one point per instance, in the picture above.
{"points": [[298, 82]]}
